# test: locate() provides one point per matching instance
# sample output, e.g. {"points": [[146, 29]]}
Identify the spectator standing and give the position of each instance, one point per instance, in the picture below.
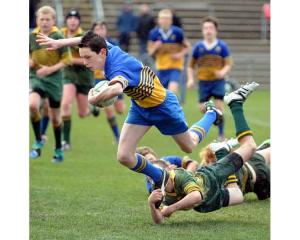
{"points": [[126, 26]]}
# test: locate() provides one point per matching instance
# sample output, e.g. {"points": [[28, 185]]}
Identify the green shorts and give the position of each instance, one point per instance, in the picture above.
{"points": [[215, 177], [49, 86], [262, 170], [80, 76]]}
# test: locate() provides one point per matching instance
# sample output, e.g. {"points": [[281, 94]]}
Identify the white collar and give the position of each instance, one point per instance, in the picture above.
{"points": [[210, 46], [165, 35]]}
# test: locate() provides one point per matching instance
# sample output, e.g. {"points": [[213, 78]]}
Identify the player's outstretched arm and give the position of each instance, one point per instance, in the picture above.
{"points": [[156, 214], [53, 44], [190, 201]]}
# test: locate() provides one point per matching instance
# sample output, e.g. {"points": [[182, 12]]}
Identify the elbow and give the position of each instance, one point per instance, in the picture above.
{"points": [[158, 221]]}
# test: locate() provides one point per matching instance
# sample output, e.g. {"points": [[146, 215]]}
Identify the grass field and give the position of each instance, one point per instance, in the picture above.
{"points": [[91, 196]]}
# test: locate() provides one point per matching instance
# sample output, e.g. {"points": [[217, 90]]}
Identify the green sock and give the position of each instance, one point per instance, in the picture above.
{"points": [[66, 128], [241, 126]]}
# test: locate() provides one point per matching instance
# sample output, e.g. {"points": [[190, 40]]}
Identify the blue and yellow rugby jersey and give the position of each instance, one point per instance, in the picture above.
{"points": [[172, 42], [139, 83], [209, 61]]}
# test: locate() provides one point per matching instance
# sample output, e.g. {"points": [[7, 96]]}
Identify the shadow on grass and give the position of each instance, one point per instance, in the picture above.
{"points": [[209, 224]]}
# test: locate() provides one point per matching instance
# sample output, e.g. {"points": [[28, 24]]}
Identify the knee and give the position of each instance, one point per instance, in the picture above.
{"points": [[186, 149], [33, 107], [55, 122], [66, 107], [82, 114], [124, 158]]}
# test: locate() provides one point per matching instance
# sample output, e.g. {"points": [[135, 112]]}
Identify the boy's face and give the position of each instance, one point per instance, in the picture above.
{"points": [[101, 30], [45, 21], [209, 31], [72, 23], [91, 59], [165, 21]]}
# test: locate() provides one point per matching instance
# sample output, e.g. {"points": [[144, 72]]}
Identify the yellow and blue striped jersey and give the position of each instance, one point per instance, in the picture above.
{"points": [[210, 60], [139, 83], [172, 42]]}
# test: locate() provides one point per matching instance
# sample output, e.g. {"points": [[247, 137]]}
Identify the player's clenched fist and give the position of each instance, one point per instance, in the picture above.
{"points": [[155, 196]]}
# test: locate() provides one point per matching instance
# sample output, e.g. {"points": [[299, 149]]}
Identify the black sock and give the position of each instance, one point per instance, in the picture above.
{"points": [[36, 123], [66, 128], [57, 135]]}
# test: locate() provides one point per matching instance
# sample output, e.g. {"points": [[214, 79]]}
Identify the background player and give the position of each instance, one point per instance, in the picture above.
{"points": [[46, 79], [204, 190], [212, 58], [100, 28], [168, 46], [78, 80]]}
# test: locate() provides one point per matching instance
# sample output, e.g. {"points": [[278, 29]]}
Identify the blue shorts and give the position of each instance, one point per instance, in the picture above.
{"points": [[168, 117], [96, 81], [208, 89], [167, 76]]}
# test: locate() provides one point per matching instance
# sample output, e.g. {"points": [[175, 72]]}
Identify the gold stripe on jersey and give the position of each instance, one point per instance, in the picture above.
{"points": [[191, 187], [149, 92], [208, 65], [74, 49], [163, 57]]}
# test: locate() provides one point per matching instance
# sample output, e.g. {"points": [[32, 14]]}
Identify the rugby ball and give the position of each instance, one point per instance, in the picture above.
{"points": [[98, 89]]}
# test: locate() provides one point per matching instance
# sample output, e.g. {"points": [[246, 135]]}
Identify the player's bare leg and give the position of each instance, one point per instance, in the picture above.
{"points": [[120, 106], [173, 86], [34, 109], [82, 105], [131, 134]]}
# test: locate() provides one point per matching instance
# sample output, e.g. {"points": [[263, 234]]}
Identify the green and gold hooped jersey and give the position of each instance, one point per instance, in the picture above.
{"points": [[74, 49], [139, 83], [41, 56], [77, 74], [184, 182]]}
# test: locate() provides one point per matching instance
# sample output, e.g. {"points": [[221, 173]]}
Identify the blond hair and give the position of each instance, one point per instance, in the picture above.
{"points": [[144, 150], [207, 156], [46, 10], [165, 13]]}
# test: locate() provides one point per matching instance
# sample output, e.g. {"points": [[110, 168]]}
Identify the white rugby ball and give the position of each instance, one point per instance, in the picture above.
{"points": [[99, 87]]}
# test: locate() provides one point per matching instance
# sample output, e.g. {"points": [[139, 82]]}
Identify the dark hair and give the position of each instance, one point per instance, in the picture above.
{"points": [[98, 23], [93, 41], [212, 20]]}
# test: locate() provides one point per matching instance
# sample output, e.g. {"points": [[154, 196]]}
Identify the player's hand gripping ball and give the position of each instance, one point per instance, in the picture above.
{"points": [[98, 89]]}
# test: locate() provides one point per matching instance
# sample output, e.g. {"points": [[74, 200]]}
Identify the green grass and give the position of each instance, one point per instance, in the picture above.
{"points": [[91, 196]]}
